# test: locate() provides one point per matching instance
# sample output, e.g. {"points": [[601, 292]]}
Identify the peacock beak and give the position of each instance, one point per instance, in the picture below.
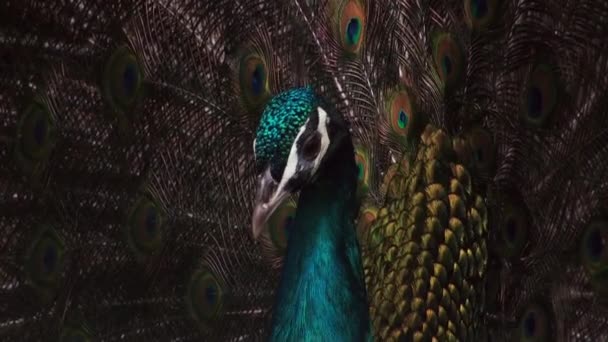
{"points": [[269, 196]]}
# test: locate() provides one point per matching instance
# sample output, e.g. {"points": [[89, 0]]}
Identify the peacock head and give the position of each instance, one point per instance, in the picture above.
{"points": [[296, 134]]}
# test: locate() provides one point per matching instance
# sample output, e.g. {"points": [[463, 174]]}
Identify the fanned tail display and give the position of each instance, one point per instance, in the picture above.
{"points": [[133, 134]]}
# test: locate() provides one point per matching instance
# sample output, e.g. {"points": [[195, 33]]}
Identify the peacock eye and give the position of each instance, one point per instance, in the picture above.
{"points": [[311, 147], [280, 223], [535, 324], [205, 296]]}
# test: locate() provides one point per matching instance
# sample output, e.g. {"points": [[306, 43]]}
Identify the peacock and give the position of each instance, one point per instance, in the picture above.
{"points": [[303, 170]]}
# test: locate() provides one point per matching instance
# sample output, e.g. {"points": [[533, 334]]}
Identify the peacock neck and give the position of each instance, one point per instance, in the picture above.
{"points": [[322, 294]]}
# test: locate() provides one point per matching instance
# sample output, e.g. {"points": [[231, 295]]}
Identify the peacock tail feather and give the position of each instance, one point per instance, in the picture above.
{"points": [[127, 169]]}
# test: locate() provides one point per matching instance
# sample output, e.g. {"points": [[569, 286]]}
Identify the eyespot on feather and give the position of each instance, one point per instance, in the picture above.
{"points": [[253, 81], [351, 20], [280, 222], [449, 59], [35, 137], [122, 79], [594, 252], [205, 297], [481, 14], [540, 95], [402, 115], [36, 132], [514, 229], [482, 149], [535, 324], [44, 261], [145, 230]]}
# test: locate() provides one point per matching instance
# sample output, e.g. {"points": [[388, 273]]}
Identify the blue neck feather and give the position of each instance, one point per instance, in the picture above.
{"points": [[322, 294]]}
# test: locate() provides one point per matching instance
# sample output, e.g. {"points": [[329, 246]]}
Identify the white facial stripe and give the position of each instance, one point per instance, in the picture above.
{"points": [[322, 129], [292, 160], [292, 163]]}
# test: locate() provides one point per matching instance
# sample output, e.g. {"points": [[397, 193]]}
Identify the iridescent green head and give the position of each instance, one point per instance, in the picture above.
{"points": [[293, 138], [280, 123]]}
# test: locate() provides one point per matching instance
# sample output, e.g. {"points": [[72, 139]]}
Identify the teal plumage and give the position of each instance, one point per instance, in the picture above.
{"points": [[322, 271], [447, 175]]}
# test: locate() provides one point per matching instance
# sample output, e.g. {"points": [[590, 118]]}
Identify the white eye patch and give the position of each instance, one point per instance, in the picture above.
{"points": [[322, 129], [293, 163]]}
